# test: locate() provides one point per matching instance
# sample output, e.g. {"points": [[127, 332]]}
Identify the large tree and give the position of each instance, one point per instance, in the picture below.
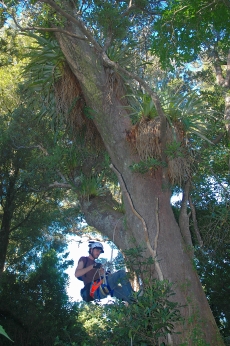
{"points": [[106, 46]]}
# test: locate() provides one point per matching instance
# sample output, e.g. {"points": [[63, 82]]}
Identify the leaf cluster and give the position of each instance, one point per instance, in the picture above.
{"points": [[185, 28], [143, 167]]}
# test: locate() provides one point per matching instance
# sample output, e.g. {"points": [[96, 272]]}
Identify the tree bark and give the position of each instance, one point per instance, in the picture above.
{"points": [[150, 198], [184, 220], [195, 225], [4, 240], [8, 210]]}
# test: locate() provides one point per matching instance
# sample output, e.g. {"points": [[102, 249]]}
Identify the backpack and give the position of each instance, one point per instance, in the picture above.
{"points": [[85, 260], [85, 291]]}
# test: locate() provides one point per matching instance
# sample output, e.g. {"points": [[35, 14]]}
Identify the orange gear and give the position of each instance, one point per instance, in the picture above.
{"points": [[94, 287]]}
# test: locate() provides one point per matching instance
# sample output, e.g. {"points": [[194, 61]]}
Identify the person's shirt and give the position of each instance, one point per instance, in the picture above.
{"points": [[93, 274]]}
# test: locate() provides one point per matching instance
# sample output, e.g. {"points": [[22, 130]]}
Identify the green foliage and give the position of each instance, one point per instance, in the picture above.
{"points": [[122, 53], [154, 314], [186, 108], [174, 150], [151, 318], [29, 162], [45, 61], [144, 166], [91, 186], [143, 108], [185, 28], [2, 331], [34, 304], [213, 259], [45, 67], [11, 46], [214, 272], [11, 65], [107, 16]]}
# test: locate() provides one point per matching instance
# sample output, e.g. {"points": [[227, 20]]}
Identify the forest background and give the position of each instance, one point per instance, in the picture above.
{"points": [[108, 108]]}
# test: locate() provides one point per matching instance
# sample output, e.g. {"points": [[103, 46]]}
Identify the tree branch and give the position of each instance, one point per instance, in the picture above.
{"points": [[39, 146], [195, 224], [37, 28], [227, 114], [227, 79], [100, 213], [52, 30], [217, 66], [218, 138], [56, 184], [74, 20], [184, 219], [26, 218]]}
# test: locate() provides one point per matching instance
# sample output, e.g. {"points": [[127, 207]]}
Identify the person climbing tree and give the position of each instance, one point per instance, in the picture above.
{"points": [[98, 284]]}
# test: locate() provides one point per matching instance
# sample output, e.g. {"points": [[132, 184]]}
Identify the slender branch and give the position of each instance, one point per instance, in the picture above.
{"points": [[226, 2], [39, 146], [131, 6], [114, 230], [180, 9], [37, 28], [227, 79], [52, 30], [62, 176], [205, 7], [26, 218], [218, 138], [74, 20], [56, 184], [227, 114]]}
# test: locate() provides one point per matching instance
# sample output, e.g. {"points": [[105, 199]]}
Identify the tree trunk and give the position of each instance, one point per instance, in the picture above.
{"points": [[8, 210], [4, 241], [150, 198]]}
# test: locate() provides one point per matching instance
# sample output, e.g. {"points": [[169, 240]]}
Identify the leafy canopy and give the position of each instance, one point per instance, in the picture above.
{"points": [[187, 28]]}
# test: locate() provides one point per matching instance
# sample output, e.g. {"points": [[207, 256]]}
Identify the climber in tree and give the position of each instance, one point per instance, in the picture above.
{"points": [[97, 283]]}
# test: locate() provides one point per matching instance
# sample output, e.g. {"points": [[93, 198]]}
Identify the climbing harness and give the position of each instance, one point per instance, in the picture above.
{"points": [[105, 288], [94, 287], [100, 288]]}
